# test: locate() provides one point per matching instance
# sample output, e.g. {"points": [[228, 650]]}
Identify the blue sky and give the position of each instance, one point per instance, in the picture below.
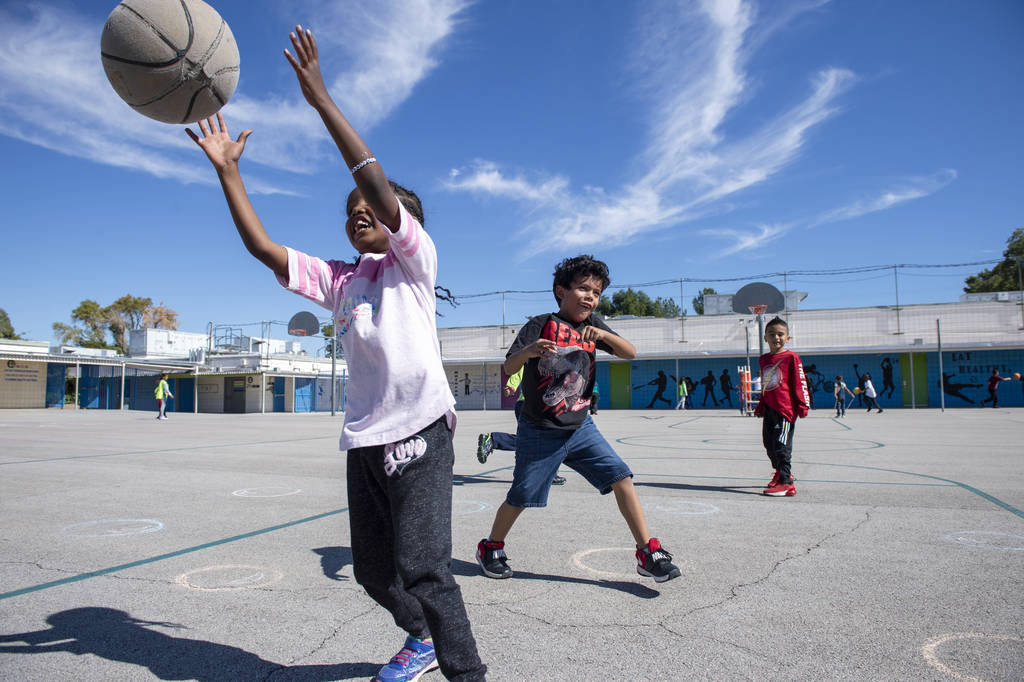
{"points": [[702, 141]]}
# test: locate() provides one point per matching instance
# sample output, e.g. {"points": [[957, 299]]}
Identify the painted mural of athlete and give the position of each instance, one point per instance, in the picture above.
{"points": [[708, 383], [887, 382], [725, 381], [660, 382], [949, 388]]}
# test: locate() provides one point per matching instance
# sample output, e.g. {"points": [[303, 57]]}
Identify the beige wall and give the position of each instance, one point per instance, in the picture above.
{"points": [[211, 394], [22, 384]]}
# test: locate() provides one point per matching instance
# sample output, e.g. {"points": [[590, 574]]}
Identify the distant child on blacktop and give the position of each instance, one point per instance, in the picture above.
{"points": [[558, 351], [400, 411], [993, 387], [683, 392], [870, 395], [163, 394], [783, 399], [838, 390]]}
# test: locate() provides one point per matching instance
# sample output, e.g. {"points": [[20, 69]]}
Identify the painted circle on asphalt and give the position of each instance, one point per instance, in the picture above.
{"points": [[580, 560], [625, 556], [272, 491], [229, 577], [683, 508], [931, 655], [466, 507], [112, 528], [984, 539]]}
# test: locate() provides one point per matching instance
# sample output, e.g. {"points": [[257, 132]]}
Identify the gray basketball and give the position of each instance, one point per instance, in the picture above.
{"points": [[172, 60]]}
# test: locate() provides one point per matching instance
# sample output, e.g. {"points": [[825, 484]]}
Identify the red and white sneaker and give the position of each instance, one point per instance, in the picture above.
{"points": [[781, 490], [775, 480]]}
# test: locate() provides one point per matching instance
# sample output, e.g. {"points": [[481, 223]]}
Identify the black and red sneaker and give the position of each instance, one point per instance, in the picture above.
{"points": [[655, 562], [492, 559]]}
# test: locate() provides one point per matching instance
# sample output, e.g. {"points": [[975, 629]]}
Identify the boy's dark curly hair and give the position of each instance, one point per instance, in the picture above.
{"points": [[585, 265], [777, 322]]}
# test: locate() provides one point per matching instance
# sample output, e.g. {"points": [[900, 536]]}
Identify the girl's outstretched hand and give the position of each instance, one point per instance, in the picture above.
{"points": [[306, 63], [218, 145]]}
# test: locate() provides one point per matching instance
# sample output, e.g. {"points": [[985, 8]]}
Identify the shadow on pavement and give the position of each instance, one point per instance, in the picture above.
{"points": [[117, 636], [468, 569], [738, 489]]}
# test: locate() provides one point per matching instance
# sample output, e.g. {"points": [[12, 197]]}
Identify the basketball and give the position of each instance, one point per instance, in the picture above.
{"points": [[175, 61], [1016, 375], [856, 390]]}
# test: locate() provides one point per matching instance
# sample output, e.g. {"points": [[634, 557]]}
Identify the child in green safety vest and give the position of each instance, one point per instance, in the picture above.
{"points": [[163, 394]]}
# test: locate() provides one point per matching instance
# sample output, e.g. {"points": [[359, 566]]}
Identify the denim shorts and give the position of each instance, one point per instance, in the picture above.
{"points": [[540, 451]]}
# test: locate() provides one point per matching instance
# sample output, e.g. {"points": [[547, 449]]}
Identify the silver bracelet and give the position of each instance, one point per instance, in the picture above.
{"points": [[364, 162]]}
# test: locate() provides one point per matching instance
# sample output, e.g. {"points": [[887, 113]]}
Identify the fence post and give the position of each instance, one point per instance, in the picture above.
{"points": [[942, 376], [896, 282]]}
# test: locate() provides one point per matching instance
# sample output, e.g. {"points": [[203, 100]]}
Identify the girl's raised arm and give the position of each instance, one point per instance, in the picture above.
{"points": [[224, 154], [366, 171]]}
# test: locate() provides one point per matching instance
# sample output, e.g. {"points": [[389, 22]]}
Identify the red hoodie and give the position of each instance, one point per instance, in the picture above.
{"points": [[783, 386]]}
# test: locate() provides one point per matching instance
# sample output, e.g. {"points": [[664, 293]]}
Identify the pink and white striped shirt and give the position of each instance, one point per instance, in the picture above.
{"points": [[384, 310]]}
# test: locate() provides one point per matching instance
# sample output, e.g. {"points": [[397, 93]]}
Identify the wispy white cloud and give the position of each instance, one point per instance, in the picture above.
{"points": [[387, 47], [907, 190], [54, 93], [746, 240], [486, 178], [691, 64]]}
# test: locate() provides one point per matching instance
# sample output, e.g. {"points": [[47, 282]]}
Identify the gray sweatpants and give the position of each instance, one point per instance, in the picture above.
{"points": [[400, 511]]}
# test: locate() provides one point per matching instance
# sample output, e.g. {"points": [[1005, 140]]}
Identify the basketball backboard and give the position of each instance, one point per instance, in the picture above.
{"points": [[758, 293], [303, 324]]}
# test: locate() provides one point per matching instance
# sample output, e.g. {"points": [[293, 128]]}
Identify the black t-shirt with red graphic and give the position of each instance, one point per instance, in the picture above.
{"points": [[557, 389]]}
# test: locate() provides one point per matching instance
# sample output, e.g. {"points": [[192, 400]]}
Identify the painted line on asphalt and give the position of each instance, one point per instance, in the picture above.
{"points": [[969, 488], [187, 550], [156, 452], [168, 555], [802, 480]]}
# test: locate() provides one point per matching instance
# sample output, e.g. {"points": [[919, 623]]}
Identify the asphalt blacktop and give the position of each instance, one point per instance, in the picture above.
{"points": [[216, 547]]}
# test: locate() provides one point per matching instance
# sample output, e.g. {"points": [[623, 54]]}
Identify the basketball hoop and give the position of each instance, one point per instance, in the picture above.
{"points": [[758, 309]]}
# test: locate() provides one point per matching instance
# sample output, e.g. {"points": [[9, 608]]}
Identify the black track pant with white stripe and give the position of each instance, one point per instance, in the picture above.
{"points": [[401, 525], [777, 434]]}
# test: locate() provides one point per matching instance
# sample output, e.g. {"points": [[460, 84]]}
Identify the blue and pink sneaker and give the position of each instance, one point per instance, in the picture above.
{"points": [[409, 664]]}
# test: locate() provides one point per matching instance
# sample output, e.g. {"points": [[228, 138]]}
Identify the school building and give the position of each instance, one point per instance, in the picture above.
{"points": [[935, 355], [207, 373]]}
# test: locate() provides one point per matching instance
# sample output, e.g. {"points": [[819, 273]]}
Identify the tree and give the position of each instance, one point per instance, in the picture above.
{"points": [[160, 317], [126, 313], [328, 331], [1004, 276], [88, 326], [629, 302], [698, 302], [91, 322], [6, 328]]}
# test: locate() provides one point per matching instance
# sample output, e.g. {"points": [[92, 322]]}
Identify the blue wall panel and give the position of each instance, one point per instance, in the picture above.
{"points": [[56, 374], [966, 376]]}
